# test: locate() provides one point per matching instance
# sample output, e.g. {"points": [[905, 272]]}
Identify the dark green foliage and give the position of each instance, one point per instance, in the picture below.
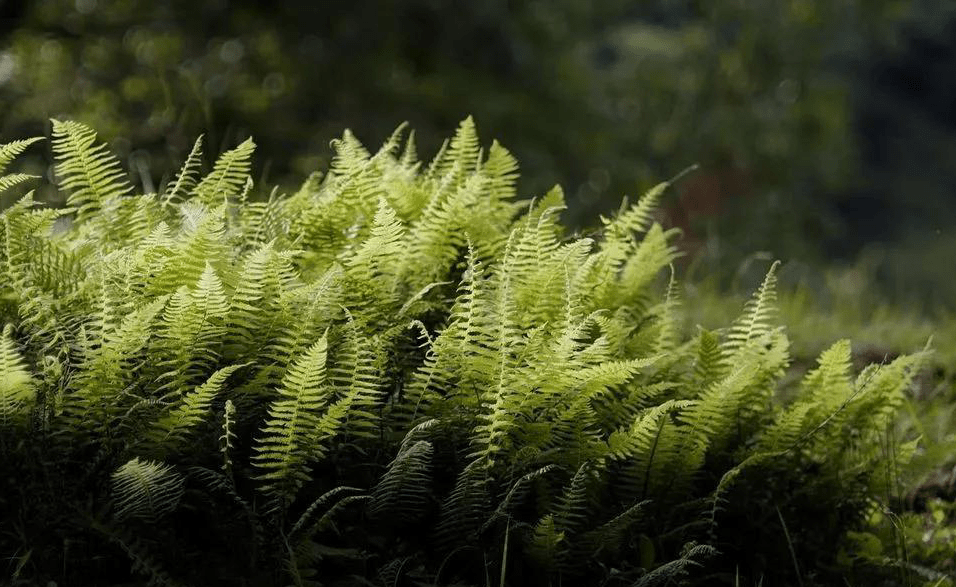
{"points": [[401, 374]]}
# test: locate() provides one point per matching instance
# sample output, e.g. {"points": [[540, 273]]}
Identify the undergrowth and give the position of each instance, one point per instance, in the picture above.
{"points": [[401, 374]]}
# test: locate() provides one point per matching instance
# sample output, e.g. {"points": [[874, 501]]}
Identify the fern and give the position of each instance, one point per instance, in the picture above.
{"points": [[228, 438], [14, 179], [13, 149], [145, 489], [284, 449], [186, 180], [402, 494], [88, 170], [17, 388], [758, 318], [465, 508], [399, 371], [174, 426], [228, 175], [676, 569], [193, 329]]}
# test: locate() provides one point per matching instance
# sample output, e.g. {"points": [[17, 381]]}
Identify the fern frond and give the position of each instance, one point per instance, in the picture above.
{"points": [[759, 315], [465, 508], [829, 385], [610, 536], [357, 380], [634, 219], [228, 175], [463, 152], [372, 268], [305, 312], [228, 438], [402, 494], [172, 428], [145, 489], [546, 542], [17, 388], [708, 363], [88, 170], [350, 156], [677, 569], [13, 149], [668, 319], [188, 176], [642, 435], [107, 364], [285, 448], [14, 179], [256, 306], [193, 330], [574, 506], [501, 169], [305, 526]]}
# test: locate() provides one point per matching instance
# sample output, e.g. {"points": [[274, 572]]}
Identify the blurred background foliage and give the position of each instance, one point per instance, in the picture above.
{"points": [[824, 128]]}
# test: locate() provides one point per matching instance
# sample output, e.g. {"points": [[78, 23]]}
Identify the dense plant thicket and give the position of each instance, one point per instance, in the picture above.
{"points": [[400, 374]]}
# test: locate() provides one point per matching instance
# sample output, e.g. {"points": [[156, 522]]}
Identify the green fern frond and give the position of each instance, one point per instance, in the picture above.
{"points": [[880, 391], [409, 158], [286, 445], [188, 176], [145, 489], [668, 320], [640, 438], [759, 315], [462, 156], [107, 364], [677, 569], [654, 253], [372, 267], [228, 438], [14, 179], [13, 149], [255, 307], [501, 169], [708, 363], [350, 156], [306, 311], [574, 506], [17, 388], [710, 416], [88, 170], [633, 219], [610, 536], [357, 380], [789, 427], [193, 330], [181, 259], [516, 495], [465, 508], [829, 385], [301, 528], [228, 175], [402, 495], [172, 429], [545, 542]]}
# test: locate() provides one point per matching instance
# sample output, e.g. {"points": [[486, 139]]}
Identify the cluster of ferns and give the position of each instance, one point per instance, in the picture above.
{"points": [[399, 374]]}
